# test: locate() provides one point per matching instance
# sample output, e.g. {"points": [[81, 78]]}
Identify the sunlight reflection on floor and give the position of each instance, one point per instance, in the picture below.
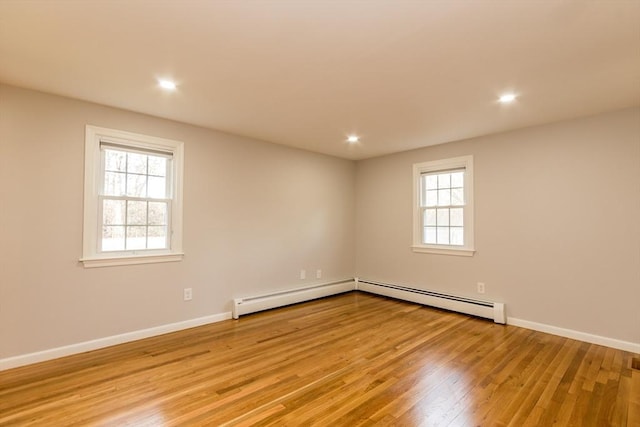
{"points": [[151, 417], [443, 396]]}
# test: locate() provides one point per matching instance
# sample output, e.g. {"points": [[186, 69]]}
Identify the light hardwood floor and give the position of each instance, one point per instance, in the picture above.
{"points": [[348, 360]]}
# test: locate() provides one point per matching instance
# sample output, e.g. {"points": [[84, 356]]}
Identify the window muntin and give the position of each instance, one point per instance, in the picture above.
{"points": [[133, 198], [443, 206]]}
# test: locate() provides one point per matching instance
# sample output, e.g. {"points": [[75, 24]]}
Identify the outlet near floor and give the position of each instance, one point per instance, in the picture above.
{"points": [[188, 294]]}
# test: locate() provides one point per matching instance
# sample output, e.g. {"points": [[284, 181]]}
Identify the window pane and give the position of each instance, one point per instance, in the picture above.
{"points": [[444, 197], [429, 235], [136, 237], [136, 185], [432, 197], [114, 184], [443, 235], [431, 182], [457, 179], [457, 197], [157, 187], [157, 213], [444, 180], [157, 166], [113, 212], [136, 213], [136, 163], [443, 217], [430, 217], [456, 217], [112, 238], [457, 236], [115, 161], [157, 237]]}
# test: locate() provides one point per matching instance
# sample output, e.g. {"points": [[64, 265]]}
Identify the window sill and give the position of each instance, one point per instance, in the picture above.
{"points": [[111, 261], [443, 251]]}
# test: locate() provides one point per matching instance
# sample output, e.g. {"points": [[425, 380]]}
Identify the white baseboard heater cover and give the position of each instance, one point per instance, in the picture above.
{"points": [[488, 310], [293, 296]]}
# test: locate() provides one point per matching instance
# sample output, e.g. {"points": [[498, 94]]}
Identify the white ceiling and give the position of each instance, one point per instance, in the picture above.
{"points": [[402, 74]]}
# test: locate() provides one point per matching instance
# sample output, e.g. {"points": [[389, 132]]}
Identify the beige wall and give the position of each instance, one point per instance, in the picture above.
{"points": [[557, 211], [557, 225], [254, 215]]}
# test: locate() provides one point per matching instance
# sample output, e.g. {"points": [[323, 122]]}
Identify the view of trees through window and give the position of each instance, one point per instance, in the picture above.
{"points": [[135, 201]]}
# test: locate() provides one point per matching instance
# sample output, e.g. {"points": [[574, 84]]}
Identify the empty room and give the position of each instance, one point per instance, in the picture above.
{"points": [[319, 213]]}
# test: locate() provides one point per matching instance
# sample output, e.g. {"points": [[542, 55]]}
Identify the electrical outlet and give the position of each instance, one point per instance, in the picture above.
{"points": [[318, 274], [188, 294], [303, 274], [480, 288]]}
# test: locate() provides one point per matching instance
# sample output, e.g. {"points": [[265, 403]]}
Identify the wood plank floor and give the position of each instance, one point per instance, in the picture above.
{"points": [[349, 360]]}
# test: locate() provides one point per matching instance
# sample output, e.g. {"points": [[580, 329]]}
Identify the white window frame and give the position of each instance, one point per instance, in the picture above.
{"points": [[463, 162], [93, 177]]}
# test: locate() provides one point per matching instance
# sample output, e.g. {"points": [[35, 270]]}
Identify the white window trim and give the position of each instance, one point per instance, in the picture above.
{"points": [[91, 257], [468, 249]]}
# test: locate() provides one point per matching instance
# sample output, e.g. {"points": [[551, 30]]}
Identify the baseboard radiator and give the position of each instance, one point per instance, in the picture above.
{"points": [[279, 299], [488, 310]]}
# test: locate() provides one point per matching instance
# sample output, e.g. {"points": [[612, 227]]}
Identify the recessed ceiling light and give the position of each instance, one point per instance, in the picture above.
{"points": [[507, 98], [167, 84], [353, 138]]}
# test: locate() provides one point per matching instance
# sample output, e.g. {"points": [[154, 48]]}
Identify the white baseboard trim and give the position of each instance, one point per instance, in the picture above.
{"points": [[68, 350], [576, 335]]}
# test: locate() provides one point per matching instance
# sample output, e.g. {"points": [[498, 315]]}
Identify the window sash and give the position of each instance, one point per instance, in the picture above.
{"points": [[423, 187], [438, 227], [168, 176], [167, 225]]}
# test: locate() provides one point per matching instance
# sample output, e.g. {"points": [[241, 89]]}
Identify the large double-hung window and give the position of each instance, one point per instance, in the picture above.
{"points": [[133, 203], [443, 206]]}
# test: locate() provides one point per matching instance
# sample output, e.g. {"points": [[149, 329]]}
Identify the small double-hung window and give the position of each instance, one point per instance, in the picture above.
{"points": [[443, 206], [133, 203], [135, 199]]}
